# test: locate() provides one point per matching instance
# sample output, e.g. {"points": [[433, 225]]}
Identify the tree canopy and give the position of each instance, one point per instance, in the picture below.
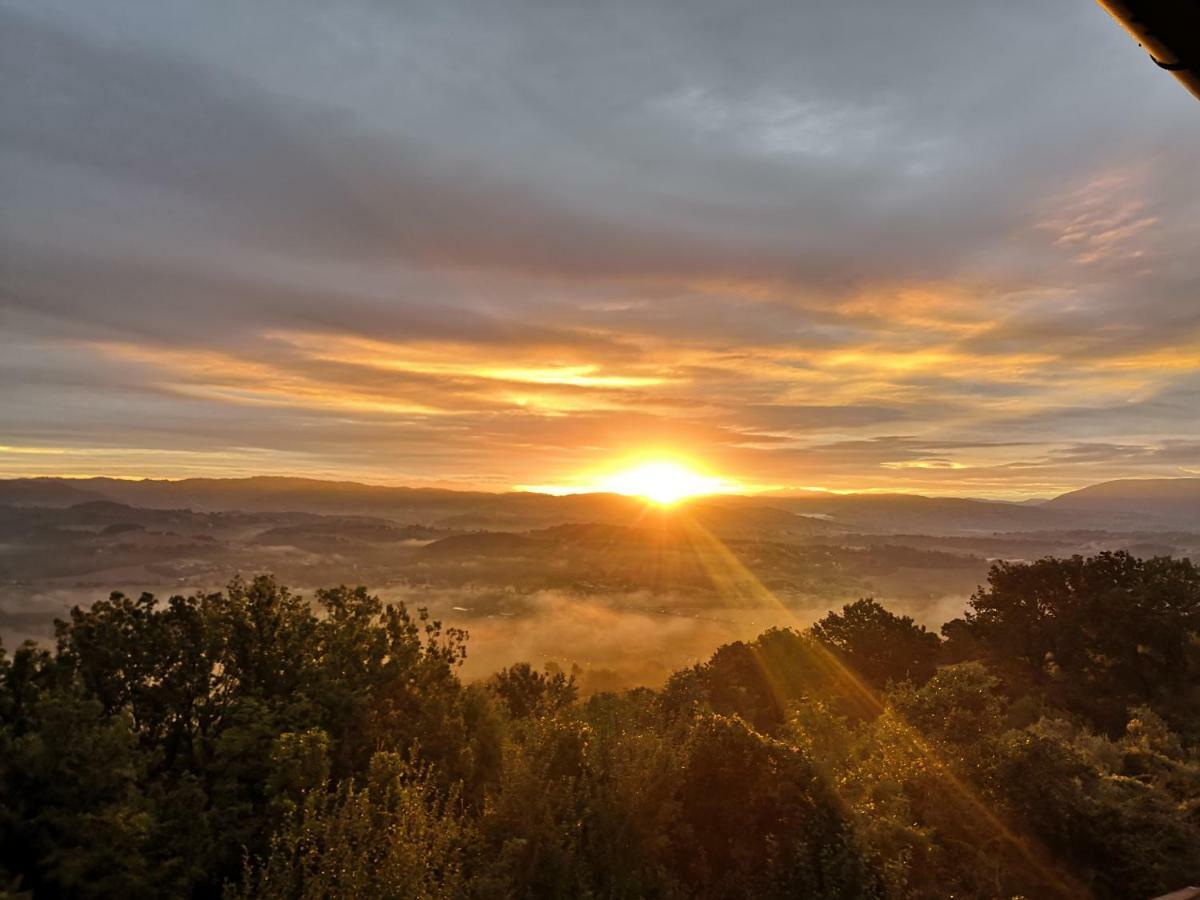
{"points": [[250, 743]]}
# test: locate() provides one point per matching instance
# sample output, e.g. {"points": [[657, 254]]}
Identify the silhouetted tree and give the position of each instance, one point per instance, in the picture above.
{"points": [[527, 692], [1098, 635], [253, 744], [878, 645]]}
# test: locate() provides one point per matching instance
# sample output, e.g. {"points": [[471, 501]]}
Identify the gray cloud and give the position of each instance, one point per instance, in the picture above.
{"points": [[776, 238]]}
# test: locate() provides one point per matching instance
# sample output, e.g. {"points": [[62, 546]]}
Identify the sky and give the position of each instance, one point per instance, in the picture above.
{"points": [[941, 246]]}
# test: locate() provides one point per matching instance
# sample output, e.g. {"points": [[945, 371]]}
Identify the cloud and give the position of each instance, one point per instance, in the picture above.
{"points": [[942, 244]]}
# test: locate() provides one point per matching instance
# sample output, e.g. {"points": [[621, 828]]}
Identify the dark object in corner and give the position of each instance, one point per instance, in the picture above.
{"points": [[1170, 32]]}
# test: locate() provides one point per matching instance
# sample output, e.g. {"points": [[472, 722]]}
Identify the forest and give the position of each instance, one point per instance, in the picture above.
{"points": [[254, 743]]}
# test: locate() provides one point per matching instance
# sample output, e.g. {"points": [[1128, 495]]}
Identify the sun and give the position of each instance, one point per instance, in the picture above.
{"points": [[665, 482]]}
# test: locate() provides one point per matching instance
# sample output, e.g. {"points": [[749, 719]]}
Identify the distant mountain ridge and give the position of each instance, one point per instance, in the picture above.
{"points": [[1126, 503], [1159, 496]]}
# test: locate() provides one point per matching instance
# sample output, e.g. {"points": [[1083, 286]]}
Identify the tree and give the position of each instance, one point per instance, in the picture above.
{"points": [[204, 688], [526, 692], [396, 836], [251, 743], [757, 819], [1097, 635], [878, 645]]}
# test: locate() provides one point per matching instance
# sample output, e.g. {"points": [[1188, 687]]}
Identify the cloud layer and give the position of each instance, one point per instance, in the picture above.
{"points": [[944, 247]]}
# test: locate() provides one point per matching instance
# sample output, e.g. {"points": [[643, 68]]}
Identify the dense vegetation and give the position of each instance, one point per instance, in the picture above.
{"points": [[251, 744]]}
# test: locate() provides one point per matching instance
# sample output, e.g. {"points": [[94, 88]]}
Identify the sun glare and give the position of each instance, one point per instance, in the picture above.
{"points": [[663, 482]]}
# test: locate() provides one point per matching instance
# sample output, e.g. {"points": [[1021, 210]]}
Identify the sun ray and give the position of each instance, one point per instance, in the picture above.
{"points": [[729, 573]]}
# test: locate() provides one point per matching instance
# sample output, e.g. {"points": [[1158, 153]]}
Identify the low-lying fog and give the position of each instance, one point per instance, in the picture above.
{"points": [[611, 642]]}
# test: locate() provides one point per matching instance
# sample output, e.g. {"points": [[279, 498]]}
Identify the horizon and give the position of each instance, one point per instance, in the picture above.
{"points": [[788, 493]]}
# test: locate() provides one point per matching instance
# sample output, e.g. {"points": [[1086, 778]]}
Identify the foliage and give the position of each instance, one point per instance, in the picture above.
{"points": [[1096, 636], [526, 692], [252, 744], [171, 731], [879, 645], [395, 836]]}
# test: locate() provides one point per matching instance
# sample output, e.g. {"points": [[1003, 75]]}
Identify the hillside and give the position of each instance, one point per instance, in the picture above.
{"points": [[1119, 505], [916, 514], [1170, 499], [1127, 505], [458, 510]]}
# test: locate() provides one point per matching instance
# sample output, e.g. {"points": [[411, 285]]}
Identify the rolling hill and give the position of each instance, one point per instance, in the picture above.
{"points": [[1128, 504], [1174, 500]]}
